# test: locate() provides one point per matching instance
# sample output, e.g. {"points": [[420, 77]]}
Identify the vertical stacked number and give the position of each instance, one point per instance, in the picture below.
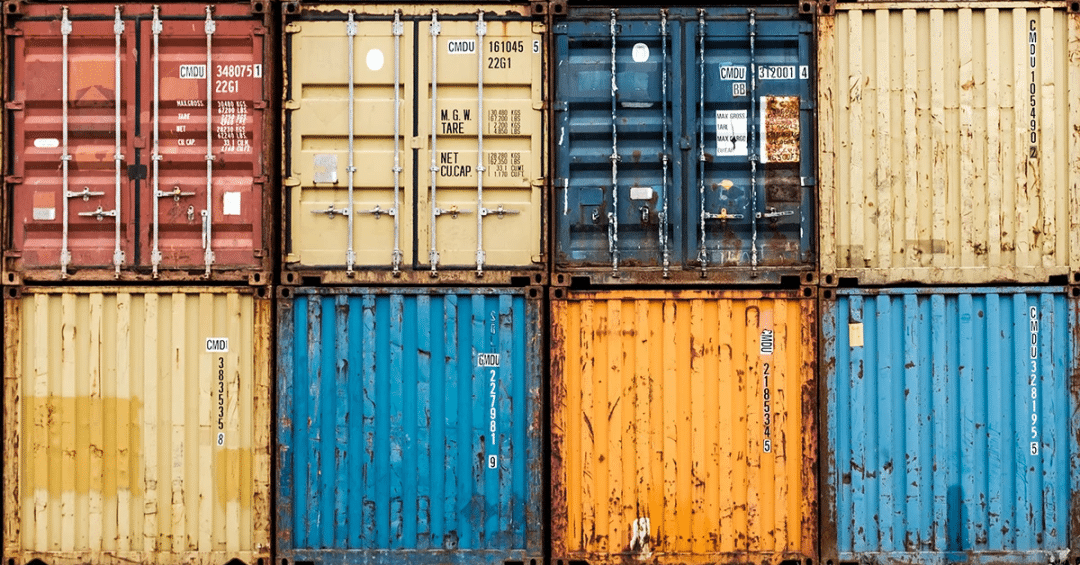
{"points": [[136, 206], [949, 155], [409, 410]]}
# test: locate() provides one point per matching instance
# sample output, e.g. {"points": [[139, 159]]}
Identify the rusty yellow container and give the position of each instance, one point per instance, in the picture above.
{"points": [[949, 145], [413, 143], [136, 426], [683, 427]]}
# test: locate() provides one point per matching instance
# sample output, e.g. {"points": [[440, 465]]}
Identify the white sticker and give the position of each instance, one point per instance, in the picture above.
{"points": [[193, 71], [461, 46], [777, 72], [217, 345], [804, 72], [493, 461], [855, 335], [767, 342], [487, 359], [231, 204], [731, 133], [732, 72], [374, 59], [640, 53], [46, 143], [44, 213], [641, 193]]}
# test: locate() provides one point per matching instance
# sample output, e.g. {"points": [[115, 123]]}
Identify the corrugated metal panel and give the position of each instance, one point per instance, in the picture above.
{"points": [[713, 174], [129, 435], [409, 426], [952, 417], [107, 88], [949, 148], [488, 89], [683, 427]]}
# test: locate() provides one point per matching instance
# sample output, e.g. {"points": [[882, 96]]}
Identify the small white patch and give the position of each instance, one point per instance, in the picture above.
{"points": [[640, 53], [231, 204], [855, 335], [193, 71], [45, 214], [639, 537], [217, 345], [641, 193], [46, 143], [374, 59]]}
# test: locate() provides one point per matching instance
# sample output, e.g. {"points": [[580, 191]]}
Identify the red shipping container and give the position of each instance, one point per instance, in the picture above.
{"points": [[110, 111]]}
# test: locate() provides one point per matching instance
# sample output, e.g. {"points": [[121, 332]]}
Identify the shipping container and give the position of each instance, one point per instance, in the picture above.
{"points": [[683, 427], [951, 425], [674, 159], [409, 426], [949, 144], [139, 142], [136, 426], [414, 139]]}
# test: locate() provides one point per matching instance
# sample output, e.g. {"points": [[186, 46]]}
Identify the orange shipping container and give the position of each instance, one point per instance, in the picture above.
{"points": [[136, 426], [683, 427]]}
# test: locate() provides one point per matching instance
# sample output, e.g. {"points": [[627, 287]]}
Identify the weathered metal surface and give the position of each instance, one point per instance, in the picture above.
{"points": [[446, 144], [949, 142], [94, 95], [683, 427], [951, 425], [136, 426], [409, 426], [674, 161]]}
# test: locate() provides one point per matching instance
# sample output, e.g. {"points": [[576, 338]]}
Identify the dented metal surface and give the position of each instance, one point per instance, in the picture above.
{"points": [[409, 425], [414, 140], [674, 161], [950, 142], [140, 137], [136, 425], [951, 425], [683, 427]]}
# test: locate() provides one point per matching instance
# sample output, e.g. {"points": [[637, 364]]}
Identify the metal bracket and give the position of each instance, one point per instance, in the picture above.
{"points": [[331, 211], [175, 194], [85, 193], [500, 211], [453, 211], [99, 214], [723, 215], [377, 211]]}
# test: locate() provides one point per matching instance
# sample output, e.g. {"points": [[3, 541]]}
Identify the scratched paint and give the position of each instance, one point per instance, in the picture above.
{"points": [[409, 425], [951, 425], [669, 446]]}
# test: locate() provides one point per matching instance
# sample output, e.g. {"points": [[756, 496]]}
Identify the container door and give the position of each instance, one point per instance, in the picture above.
{"points": [[326, 225], [478, 113], [752, 163], [203, 208], [70, 198], [614, 139]]}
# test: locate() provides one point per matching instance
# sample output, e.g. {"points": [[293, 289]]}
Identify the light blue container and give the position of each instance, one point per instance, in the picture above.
{"points": [[409, 426], [701, 120], [952, 425]]}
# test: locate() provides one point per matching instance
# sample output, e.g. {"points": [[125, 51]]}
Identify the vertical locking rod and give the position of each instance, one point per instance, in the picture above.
{"points": [[613, 216], [481, 30], [753, 143], [350, 170], [155, 154], [118, 30], [208, 214], [702, 255], [65, 157], [433, 254], [666, 147], [398, 30]]}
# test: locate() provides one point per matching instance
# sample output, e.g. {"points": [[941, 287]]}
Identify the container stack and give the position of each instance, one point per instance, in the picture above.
{"points": [[136, 257], [949, 156], [410, 316], [683, 396]]}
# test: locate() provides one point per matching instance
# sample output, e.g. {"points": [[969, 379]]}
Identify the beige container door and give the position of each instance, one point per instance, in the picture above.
{"points": [[507, 62], [137, 427], [319, 138]]}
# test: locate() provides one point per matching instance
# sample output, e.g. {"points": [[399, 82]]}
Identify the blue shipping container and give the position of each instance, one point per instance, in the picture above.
{"points": [[701, 120], [951, 422], [409, 426]]}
